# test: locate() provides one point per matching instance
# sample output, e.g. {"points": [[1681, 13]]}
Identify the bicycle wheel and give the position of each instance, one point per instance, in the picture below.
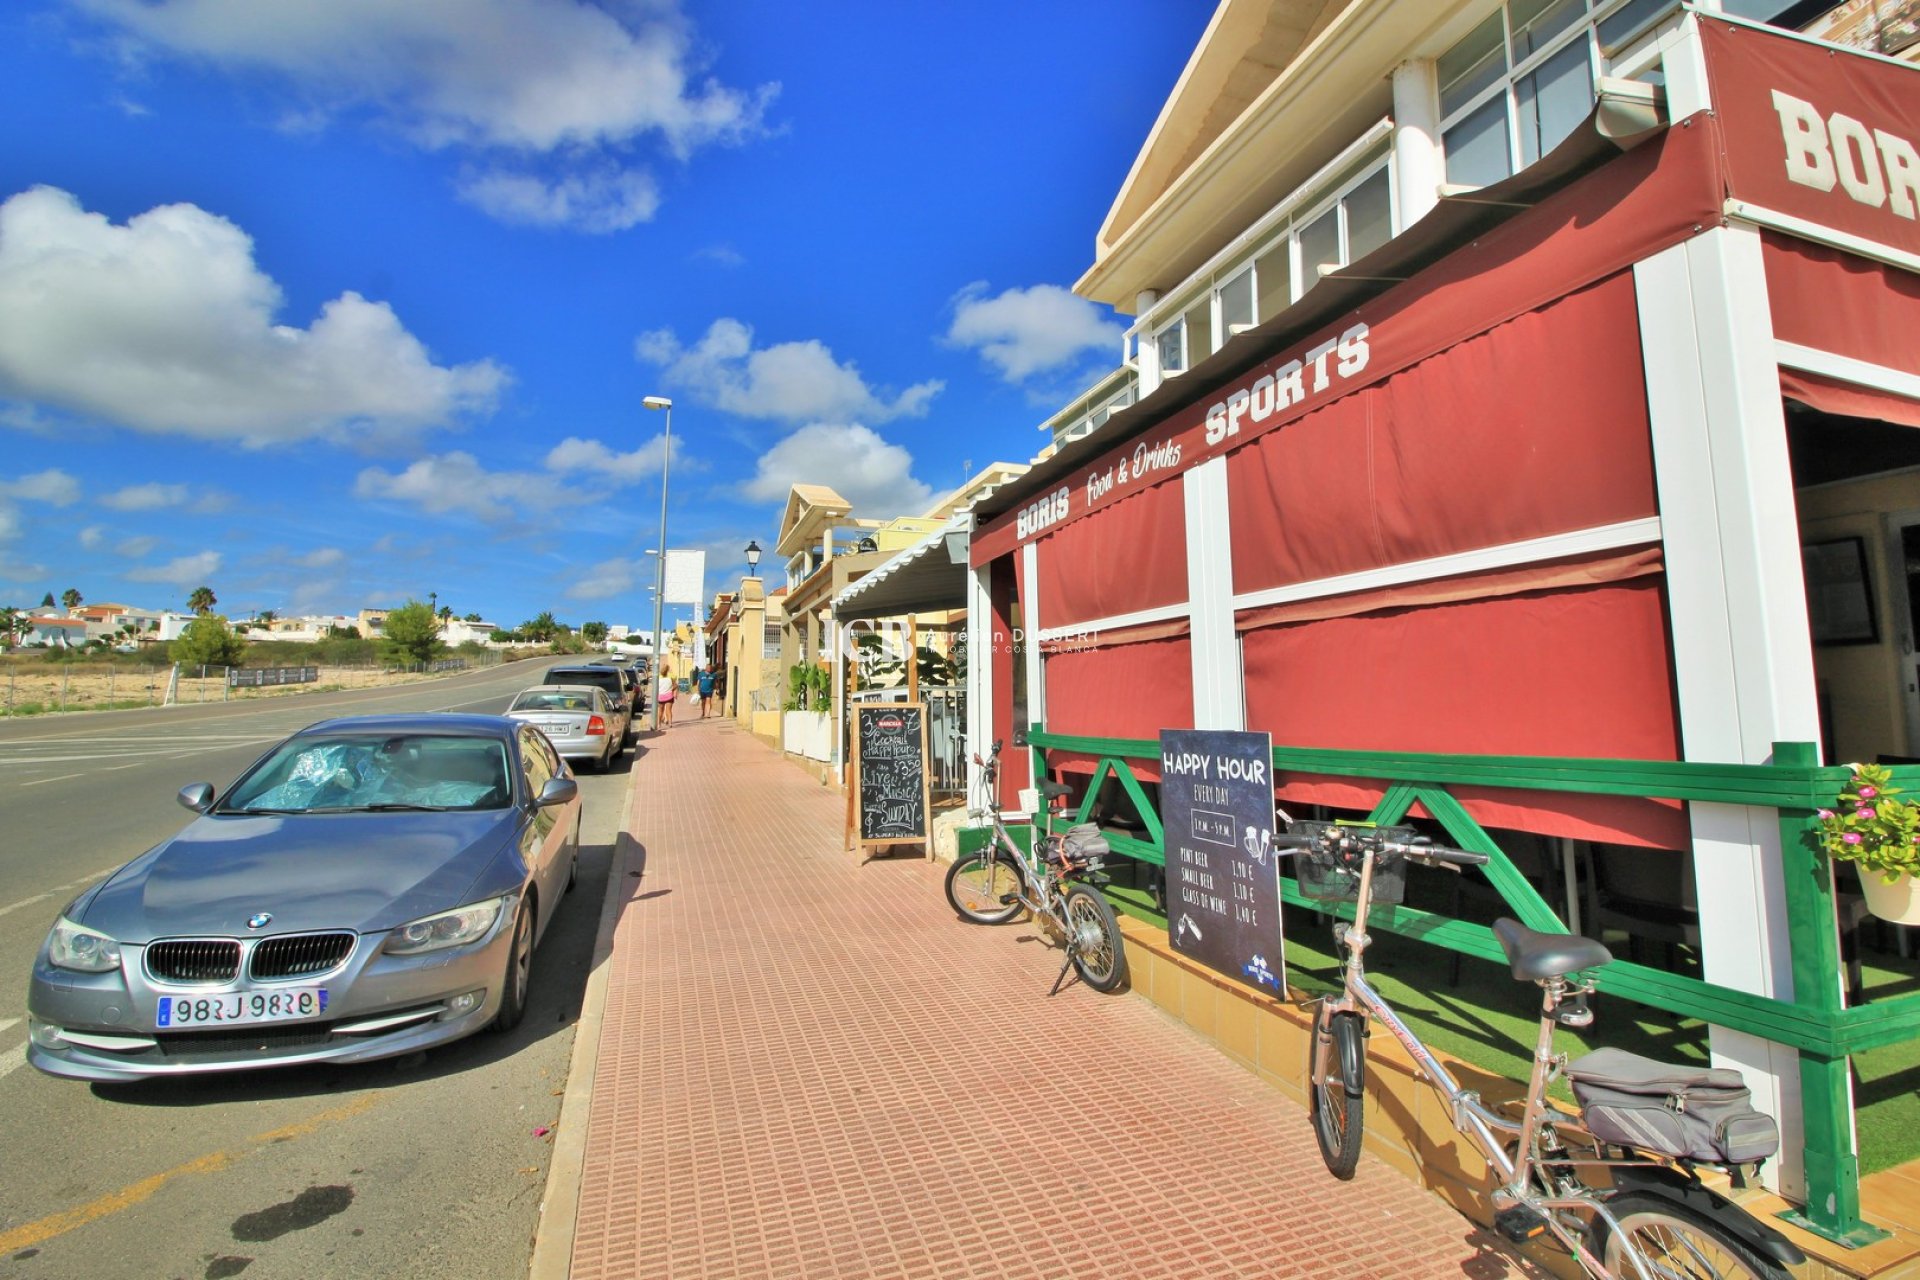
{"points": [[1093, 939], [1336, 1091], [1678, 1243], [978, 883]]}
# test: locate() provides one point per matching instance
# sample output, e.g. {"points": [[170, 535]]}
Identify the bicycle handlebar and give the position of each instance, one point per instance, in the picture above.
{"points": [[1361, 840]]}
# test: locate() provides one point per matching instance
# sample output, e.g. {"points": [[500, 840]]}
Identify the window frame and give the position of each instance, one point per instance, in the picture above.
{"points": [[1632, 48], [1334, 196]]}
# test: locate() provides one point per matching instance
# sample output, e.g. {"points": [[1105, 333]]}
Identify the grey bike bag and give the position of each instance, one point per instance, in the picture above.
{"points": [[1695, 1113], [1084, 843]]}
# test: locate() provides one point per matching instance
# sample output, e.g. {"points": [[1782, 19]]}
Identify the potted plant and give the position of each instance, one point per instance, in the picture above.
{"points": [[1879, 832]]}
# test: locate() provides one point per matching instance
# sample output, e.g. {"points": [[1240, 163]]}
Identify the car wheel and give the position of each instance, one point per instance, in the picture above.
{"points": [[518, 978]]}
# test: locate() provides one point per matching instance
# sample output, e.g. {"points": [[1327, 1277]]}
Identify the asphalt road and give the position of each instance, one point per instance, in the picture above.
{"points": [[427, 1166]]}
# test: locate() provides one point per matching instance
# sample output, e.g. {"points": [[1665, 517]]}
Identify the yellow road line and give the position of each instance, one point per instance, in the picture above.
{"points": [[113, 1202]]}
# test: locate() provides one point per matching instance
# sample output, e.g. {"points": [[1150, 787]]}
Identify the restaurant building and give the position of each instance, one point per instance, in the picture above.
{"points": [[1510, 383]]}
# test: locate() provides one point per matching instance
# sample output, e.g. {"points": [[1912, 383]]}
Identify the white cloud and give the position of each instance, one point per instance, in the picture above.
{"points": [[595, 459], [600, 202], [184, 571], [611, 578], [136, 547], [568, 79], [151, 496], [876, 477], [455, 484], [1022, 332], [166, 324], [93, 537], [321, 558], [54, 487], [789, 382], [531, 75]]}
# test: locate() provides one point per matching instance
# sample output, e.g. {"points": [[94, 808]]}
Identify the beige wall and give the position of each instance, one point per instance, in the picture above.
{"points": [[1862, 682]]}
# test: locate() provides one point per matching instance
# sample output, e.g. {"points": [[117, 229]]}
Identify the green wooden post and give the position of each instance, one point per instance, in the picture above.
{"points": [[1826, 1098]]}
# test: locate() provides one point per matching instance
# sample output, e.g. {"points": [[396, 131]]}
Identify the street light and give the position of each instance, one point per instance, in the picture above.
{"points": [[753, 558], [660, 565]]}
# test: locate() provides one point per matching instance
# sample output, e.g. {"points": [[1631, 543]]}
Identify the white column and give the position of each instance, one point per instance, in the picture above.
{"points": [[1419, 158], [979, 671], [1219, 696], [830, 636], [1030, 636], [1147, 353], [1738, 606]]}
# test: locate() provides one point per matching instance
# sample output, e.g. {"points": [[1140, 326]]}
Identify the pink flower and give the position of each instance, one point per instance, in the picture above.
{"points": [[1826, 815], [1868, 811], [1868, 793], [1851, 837]]}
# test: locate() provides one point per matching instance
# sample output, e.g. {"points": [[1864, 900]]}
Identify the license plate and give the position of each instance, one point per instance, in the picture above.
{"points": [[239, 1007]]}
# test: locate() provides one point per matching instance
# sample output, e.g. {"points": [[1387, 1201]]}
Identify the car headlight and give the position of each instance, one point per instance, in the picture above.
{"points": [[446, 929], [74, 946]]}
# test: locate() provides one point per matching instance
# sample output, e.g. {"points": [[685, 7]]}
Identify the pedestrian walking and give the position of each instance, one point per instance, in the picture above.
{"points": [[703, 681], [664, 695]]}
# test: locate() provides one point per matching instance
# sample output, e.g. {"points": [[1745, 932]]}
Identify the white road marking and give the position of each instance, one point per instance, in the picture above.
{"points": [[12, 1062], [12, 907], [56, 778], [8, 1023]]}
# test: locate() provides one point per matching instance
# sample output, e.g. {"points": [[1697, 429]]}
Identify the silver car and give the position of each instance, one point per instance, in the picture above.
{"points": [[370, 887], [581, 721]]}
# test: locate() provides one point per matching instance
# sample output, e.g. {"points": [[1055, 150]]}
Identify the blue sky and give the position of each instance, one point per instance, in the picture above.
{"points": [[327, 304]]}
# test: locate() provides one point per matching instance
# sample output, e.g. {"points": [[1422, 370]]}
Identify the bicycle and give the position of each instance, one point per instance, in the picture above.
{"points": [[1656, 1220], [994, 884]]}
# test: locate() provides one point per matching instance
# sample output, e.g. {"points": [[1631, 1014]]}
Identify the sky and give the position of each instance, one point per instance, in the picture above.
{"points": [[332, 304]]}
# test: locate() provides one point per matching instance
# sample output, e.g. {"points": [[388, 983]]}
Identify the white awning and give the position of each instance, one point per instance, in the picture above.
{"points": [[923, 578]]}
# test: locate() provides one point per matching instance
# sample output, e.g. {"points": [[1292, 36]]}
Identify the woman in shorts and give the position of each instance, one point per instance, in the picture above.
{"points": [[663, 697]]}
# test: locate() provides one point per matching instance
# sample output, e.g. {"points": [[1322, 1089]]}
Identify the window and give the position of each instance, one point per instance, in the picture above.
{"points": [[1256, 286], [770, 639], [1519, 83]]}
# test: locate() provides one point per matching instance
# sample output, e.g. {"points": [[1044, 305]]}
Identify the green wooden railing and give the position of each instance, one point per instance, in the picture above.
{"points": [[1814, 1023]]}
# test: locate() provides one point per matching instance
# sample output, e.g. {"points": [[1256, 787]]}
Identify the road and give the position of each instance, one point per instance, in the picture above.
{"points": [[428, 1166]]}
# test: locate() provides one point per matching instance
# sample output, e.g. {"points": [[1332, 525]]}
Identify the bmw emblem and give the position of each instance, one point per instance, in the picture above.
{"points": [[259, 920]]}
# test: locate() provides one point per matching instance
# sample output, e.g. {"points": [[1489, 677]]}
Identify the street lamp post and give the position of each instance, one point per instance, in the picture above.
{"points": [[660, 566]]}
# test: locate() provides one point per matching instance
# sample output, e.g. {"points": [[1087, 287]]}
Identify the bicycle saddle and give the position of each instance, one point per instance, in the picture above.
{"points": [[1536, 955]]}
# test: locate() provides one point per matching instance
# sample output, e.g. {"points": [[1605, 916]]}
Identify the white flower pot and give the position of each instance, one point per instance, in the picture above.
{"points": [[1896, 903]]}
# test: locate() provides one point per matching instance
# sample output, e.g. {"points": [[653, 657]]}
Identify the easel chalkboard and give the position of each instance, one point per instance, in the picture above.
{"points": [[890, 788]]}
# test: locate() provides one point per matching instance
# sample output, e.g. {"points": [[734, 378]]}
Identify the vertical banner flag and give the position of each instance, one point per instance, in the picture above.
{"points": [[685, 575], [1223, 885]]}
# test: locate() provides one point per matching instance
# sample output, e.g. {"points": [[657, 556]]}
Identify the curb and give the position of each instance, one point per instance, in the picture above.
{"points": [[560, 1204]]}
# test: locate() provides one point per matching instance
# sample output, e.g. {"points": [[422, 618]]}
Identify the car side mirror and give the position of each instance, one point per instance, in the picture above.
{"points": [[557, 791], [197, 796]]}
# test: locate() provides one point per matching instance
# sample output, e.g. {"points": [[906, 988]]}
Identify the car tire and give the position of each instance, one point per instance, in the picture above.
{"points": [[517, 979]]}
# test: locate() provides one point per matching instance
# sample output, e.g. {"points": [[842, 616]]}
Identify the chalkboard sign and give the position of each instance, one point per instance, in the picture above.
{"points": [[890, 772], [1223, 888]]}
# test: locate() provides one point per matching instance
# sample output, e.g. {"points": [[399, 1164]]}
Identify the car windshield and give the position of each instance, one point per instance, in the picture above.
{"points": [[552, 700], [364, 773]]}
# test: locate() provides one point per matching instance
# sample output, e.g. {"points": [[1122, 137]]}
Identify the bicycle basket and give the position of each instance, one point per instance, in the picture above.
{"points": [[1333, 874]]}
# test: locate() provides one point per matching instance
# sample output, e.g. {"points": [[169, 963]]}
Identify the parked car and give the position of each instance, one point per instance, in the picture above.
{"points": [[370, 887], [596, 674], [579, 719]]}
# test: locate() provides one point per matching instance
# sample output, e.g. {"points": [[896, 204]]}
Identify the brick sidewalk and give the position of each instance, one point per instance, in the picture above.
{"points": [[809, 1067]]}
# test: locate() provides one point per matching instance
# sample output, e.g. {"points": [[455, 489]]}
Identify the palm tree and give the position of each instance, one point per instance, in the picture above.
{"points": [[10, 621], [70, 598], [202, 600]]}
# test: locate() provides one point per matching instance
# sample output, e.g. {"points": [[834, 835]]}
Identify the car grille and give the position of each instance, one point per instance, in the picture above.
{"points": [[193, 960], [222, 1044], [299, 955]]}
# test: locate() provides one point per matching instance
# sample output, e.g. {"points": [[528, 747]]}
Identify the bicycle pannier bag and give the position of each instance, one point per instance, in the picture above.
{"points": [[1085, 844], [1698, 1113]]}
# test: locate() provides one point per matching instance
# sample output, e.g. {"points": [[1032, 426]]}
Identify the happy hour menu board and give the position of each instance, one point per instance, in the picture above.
{"points": [[890, 752], [1223, 892]]}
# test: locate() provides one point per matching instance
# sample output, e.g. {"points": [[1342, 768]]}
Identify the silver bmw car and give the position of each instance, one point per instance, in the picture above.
{"points": [[370, 887]]}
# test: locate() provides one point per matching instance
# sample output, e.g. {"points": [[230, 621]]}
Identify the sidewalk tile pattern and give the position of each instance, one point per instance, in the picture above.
{"points": [[810, 1068]]}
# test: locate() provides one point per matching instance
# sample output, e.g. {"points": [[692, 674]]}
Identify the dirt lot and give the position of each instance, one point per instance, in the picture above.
{"points": [[37, 687]]}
